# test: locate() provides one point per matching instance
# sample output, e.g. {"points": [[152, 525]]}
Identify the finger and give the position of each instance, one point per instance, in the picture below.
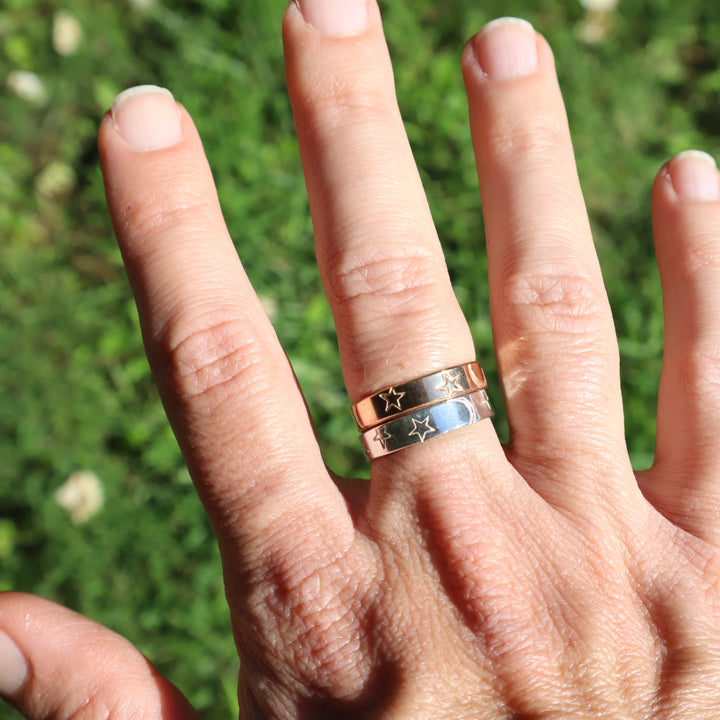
{"points": [[55, 663], [378, 252], [553, 331], [225, 382], [683, 482]]}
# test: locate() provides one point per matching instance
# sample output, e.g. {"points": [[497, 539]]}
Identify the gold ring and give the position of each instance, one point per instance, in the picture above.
{"points": [[398, 400]]}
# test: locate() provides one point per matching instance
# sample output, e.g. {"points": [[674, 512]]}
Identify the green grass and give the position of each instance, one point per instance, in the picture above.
{"points": [[75, 391]]}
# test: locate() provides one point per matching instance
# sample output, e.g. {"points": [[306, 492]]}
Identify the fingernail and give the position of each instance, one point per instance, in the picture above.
{"points": [[13, 667], [335, 17], [506, 48], [147, 118], [694, 175]]}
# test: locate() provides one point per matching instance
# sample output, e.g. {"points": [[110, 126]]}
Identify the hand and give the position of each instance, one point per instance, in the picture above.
{"points": [[466, 580]]}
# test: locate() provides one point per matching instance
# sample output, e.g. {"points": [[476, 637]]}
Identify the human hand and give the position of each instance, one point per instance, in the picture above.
{"points": [[466, 580]]}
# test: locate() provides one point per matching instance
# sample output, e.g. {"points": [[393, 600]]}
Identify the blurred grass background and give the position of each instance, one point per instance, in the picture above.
{"points": [[641, 81]]}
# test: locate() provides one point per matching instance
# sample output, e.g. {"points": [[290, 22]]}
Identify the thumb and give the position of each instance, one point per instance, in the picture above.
{"points": [[55, 663]]}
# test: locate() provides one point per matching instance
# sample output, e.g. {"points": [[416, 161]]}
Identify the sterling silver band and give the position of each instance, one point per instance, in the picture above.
{"points": [[419, 393], [425, 424]]}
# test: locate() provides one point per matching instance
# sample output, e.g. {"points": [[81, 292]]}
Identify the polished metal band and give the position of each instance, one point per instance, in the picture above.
{"points": [[416, 394], [418, 427]]}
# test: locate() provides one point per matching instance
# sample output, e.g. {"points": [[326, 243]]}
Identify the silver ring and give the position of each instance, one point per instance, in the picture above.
{"points": [[426, 424]]}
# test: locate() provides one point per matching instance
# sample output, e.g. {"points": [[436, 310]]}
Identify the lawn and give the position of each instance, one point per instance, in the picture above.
{"points": [[641, 81]]}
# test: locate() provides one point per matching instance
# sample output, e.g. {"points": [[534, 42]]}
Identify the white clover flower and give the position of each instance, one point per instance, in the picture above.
{"points": [[67, 33], [596, 25], [81, 495], [55, 181], [270, 306], [593, 30], [599, 5], [28, 86]]}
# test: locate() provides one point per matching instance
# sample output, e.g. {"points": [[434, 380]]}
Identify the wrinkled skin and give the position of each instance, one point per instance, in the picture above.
{"points": [[467, 580]]}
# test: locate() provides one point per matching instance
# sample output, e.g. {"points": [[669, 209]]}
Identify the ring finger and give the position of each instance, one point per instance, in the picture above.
{"points": [[554, 337]]}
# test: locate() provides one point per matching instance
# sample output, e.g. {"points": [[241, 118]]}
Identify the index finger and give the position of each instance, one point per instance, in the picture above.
{"points": [[226, 384]]}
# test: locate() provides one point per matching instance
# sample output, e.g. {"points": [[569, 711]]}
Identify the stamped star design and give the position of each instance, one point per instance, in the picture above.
{"points": [[382, 436], [392, 399], [422, 428], [451, 385]]}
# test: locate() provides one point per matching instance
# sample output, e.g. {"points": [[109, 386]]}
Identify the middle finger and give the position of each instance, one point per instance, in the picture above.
{"points": [[383, 269]]}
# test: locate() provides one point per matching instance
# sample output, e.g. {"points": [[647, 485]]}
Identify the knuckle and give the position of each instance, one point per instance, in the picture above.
{"points": [[554, 301], [211, 356], [537, 138], [702, 253], [395, 284], [700, 374], [317, 613], [347, 98], [178, 206]]}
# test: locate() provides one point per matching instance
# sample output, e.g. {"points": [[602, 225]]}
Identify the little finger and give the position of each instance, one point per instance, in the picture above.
{"points": [[683, 483]]}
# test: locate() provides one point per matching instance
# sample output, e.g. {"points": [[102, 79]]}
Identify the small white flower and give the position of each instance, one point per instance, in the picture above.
{"points": [[593, 30], [270, 306], [28, 86], [55, 181], [81, 495], [599, 5], [67, 33]]}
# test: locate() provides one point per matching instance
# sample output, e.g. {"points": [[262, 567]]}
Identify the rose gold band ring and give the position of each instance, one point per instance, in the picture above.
{"points": [[426, 424], [415, 395]]}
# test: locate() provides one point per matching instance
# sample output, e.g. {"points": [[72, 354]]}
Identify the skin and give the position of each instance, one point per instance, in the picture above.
{"points": [[466, 580]]}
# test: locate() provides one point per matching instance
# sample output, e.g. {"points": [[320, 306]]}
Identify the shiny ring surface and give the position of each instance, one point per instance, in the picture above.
{"points": [[414, 395], [423, 425]]}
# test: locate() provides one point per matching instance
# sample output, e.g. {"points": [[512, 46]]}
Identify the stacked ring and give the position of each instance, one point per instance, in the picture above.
{"points": [[430, 422], [403, 415], [416, 394]]}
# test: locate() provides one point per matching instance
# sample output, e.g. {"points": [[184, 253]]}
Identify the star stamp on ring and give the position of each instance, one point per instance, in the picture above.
{"points": [[423, 425], [392, 399], [451, 385], [422, 428], [382, 436], [401, 399]]}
